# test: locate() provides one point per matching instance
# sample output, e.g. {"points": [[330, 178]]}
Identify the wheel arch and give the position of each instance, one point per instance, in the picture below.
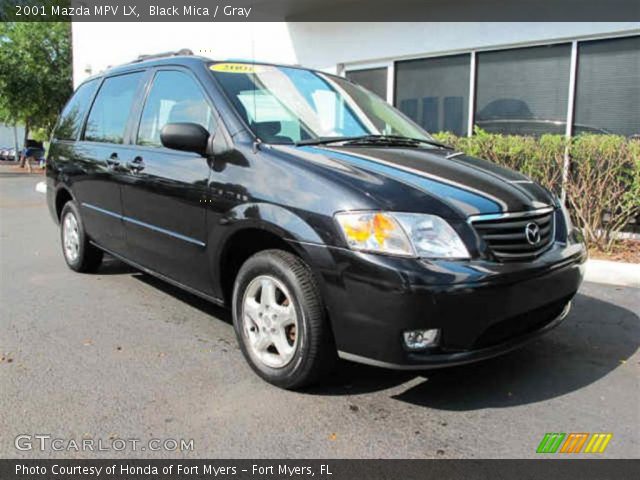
{"points": [[62, 196], [254, 228]]}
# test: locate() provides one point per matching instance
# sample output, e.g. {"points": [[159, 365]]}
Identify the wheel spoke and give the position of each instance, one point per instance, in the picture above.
{"points": [[284, 315], [252, 310], [262, 342], [282, 345], [268, 293]]}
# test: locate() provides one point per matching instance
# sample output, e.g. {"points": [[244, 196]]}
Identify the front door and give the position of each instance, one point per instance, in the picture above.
{"points": [[165, 190]]}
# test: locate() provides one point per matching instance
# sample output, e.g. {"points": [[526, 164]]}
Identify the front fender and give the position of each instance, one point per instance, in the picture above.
{"points": [[283, 223], [279, 220]]}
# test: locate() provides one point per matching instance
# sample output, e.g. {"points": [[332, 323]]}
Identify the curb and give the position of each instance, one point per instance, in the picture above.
{"points": [[613, 273]]}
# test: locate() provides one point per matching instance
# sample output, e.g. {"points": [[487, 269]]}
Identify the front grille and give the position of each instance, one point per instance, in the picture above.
{"points": [[507, 235]]}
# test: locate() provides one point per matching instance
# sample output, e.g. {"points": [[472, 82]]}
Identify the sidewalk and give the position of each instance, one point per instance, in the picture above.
{"points": [[13, 168], [613, 273]]}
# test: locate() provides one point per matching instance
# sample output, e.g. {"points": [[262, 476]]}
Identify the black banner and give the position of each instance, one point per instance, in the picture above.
{"points": [[319, 10], [583, 469]]}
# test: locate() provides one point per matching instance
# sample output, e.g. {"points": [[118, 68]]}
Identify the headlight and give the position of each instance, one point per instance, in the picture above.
{"points": [[374, 232], [432, 236], [407, 234]]}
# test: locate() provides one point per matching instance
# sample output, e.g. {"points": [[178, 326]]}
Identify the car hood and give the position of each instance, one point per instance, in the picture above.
{"points": [[470, 185]]}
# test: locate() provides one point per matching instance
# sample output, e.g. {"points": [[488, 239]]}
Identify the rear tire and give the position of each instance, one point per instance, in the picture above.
{"points": [[79, 254], [280, 322]]}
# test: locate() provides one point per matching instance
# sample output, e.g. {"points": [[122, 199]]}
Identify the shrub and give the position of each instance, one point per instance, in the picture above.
{"points": [[541, 158], [603, 188], [603, 183]]}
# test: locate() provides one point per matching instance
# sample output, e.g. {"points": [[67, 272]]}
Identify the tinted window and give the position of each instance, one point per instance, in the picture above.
{"points": [[71, 117], [434, 92], [373, 79], [608, 87], [108, 117], [523, 91], [174, 97]]}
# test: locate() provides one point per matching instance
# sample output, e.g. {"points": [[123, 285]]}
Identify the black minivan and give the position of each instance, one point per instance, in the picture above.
{"points": [[330, 223]]}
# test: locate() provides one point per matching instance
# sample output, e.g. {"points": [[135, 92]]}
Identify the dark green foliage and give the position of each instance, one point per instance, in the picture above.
{"points": [[35, 73]]}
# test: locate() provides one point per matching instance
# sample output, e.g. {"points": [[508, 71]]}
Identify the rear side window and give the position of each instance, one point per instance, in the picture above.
{"points": [[110, 111], [70, 122], [174, 97]]}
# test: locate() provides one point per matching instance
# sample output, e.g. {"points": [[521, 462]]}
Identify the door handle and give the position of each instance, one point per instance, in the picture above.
{"points": [[136, 165], [113, 161]]}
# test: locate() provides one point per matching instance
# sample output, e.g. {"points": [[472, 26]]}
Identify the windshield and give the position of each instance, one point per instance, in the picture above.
{"points": [[290, 105]]}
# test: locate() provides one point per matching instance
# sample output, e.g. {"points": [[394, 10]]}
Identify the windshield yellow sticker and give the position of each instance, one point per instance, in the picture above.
{"points": [[235, 68]]}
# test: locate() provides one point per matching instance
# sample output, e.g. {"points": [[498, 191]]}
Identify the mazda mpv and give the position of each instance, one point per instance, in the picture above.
{"points": [[327, 221]]}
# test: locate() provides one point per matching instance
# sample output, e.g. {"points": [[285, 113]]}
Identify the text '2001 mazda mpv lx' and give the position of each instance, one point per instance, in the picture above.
{"points": [[330, 223]]}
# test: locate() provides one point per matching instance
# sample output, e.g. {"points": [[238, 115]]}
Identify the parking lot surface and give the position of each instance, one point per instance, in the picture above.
{"points": [[121, 355]]}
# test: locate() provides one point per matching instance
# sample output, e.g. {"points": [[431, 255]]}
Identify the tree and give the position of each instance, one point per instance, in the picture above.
{"points": [[35, 73]]}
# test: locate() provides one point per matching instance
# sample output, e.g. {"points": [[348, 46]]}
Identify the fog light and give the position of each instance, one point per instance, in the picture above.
{"points": [[421, 339]]}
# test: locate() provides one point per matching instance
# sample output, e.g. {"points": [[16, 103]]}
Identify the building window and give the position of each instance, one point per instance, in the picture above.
{"points": [[523, 91], [608, 87], [434, 92], [373, 79]]}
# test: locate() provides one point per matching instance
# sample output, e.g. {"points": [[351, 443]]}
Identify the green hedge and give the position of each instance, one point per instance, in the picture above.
{"points": [[603, 182]]}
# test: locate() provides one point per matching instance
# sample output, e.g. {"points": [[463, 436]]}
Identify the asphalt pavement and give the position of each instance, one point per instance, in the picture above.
{"points": [[121, 355]]}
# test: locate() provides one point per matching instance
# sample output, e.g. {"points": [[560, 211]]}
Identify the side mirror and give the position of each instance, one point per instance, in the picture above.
{"points": [[189, 137]]}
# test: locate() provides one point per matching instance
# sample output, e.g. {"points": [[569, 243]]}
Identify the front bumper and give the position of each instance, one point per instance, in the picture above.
{"points": [[483, 309], [429, 360]]}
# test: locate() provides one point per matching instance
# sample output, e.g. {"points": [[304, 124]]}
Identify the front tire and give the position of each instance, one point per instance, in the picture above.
{"points": [[79, 254], [280, 321]]}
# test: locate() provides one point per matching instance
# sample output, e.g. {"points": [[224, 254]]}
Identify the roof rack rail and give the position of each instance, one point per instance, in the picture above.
{"points": [[183, 51]]}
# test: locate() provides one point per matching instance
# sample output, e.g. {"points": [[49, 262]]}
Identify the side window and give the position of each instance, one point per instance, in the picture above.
{"points": [[108, 117], [174, 97], [70, 121]]}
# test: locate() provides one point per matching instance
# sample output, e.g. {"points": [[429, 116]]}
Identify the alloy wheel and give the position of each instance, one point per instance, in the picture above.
{"points": [[70, 237], [270, 321]]}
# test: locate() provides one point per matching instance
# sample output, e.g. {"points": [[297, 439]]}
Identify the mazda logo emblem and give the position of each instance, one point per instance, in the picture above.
{"points": [[532, 232]]}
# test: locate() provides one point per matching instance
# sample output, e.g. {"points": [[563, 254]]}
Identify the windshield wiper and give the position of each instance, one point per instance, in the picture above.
{"points": [[325, 140], [373, 139], [397, 139]]}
